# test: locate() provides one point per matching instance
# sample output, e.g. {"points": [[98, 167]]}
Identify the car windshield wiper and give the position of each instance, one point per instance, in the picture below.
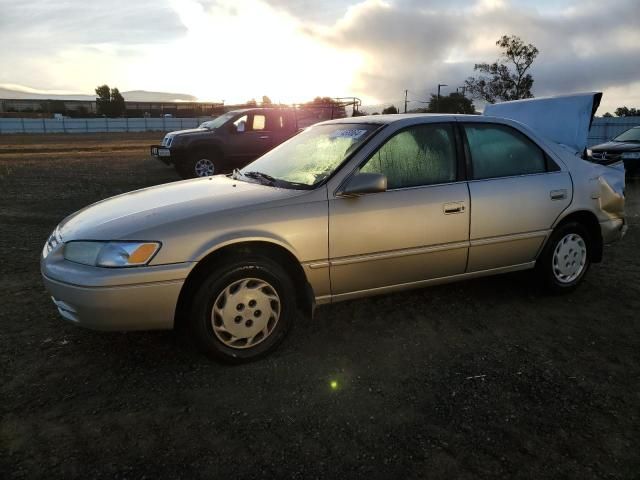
{"points": [[260, 176]]}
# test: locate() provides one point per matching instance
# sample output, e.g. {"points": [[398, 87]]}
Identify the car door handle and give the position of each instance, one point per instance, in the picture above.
{"points": [[453, 207], [264, 137], [558, 194]]}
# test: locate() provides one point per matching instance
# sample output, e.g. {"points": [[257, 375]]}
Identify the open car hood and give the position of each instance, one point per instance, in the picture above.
{"points": [[564, 119]]}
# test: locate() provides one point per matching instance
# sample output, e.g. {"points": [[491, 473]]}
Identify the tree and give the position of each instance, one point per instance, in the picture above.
{"points": [[607, 115], [627, 112], [252, 103], [109, 102], [118, 107], [103, 100], [452, 103], [506, 78], [266, 101], [390, 110]]}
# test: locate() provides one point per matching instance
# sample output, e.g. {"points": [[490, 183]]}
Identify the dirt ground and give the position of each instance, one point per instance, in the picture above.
{"points": [[482, 379]]}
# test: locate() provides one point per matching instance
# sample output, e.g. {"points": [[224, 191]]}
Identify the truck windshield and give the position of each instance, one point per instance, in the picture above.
{"points": [[217, 122], [311, 156], [631, 135]]}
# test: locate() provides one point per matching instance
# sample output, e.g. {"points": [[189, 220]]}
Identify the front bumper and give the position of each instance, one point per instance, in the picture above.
{"points": [[161, 153], [148, 306], [140, 298]]}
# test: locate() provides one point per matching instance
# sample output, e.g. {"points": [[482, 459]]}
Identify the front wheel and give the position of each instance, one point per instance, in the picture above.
{"points": [[199, 166], [565, 259], [243, 310]]}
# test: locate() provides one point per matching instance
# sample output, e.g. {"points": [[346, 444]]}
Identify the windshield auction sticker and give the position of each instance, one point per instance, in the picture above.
{"points": [[348, 133]]}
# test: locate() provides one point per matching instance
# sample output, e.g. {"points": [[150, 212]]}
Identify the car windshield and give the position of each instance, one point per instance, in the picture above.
{"points": [[217, 122], [631, 135], [311, 156]]}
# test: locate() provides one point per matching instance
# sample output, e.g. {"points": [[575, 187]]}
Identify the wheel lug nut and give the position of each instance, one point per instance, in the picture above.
{"points": [[248, 323], [238, 319], [257, 313], [252, 303], [240, 307]]}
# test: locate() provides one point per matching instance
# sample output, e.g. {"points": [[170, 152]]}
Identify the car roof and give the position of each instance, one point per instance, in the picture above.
{"points": [[399, 117]]}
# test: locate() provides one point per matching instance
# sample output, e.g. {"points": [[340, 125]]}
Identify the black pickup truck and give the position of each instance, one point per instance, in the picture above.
{"points": [[227, 142]]}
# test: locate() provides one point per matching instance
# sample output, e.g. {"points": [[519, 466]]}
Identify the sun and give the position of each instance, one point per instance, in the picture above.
{"points": [[236, 50]]}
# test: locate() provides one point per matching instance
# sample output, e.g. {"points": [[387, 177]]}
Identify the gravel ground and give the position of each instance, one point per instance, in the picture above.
{"points": [[481, 379]]}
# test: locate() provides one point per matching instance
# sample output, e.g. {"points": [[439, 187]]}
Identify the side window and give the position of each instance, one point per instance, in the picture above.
{"points": [[500, 151], [419, 155], [241, 124], [275, 122], [258, 122]]}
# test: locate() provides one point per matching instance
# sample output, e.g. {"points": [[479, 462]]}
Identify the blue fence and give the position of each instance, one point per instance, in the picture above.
{"points": [[96, 125], [603, 129]]}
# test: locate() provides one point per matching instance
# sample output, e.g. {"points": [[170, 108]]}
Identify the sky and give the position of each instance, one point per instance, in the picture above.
{"points": [[294, 50]]}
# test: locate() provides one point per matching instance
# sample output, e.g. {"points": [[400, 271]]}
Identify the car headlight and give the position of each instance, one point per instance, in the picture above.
{"points": [[110, 254], [589, 152], [52, 242], [631, 155]]}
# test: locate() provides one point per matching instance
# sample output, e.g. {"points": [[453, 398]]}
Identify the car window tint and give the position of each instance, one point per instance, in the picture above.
{"points": [[499, 151], [258, 122], [419, 155]]}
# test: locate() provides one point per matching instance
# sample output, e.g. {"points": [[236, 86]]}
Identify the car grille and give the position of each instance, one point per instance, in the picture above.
{"points": [[608, 156]]}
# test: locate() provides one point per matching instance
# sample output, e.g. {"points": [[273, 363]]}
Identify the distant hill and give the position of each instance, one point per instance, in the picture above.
{"points": [[19, 93]]}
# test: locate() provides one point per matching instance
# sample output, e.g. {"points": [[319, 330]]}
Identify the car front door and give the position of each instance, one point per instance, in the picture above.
{"points": [[517, 192], [416, 230], [249, 139]]}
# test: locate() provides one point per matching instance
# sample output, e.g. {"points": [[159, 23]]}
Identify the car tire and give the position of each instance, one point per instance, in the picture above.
{"points": [[198, 166], [565, 258], [242, 310]]}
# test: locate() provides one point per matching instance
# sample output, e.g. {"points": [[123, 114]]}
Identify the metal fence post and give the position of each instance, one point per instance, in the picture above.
{"points": [[126, 119], [22, 121], [44, 126], [86, 125], [106, 123], [64, 127]]}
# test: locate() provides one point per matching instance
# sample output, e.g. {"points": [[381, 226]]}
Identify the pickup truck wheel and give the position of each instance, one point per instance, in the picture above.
{"points": [[242, 310], [565, 259], [198, 166]]}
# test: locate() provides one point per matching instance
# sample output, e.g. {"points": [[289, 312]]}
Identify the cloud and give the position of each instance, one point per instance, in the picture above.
{"points": [[291, 49], [416, 45]]}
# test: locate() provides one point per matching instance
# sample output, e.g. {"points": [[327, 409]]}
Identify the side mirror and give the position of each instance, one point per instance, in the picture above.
{"points": [[363, 183]]}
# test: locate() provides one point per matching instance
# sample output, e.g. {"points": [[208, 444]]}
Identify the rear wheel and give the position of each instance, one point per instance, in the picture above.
{"points": [[242, 310], [566, 258]]}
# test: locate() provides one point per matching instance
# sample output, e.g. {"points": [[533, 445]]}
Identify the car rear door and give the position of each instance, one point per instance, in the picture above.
{"points": [[517, 192], [416, 230]]}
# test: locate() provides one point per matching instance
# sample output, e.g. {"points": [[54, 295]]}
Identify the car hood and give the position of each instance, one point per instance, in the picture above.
{"points": [[614, 146], [189, 131], [563, 119], [123, 216]]}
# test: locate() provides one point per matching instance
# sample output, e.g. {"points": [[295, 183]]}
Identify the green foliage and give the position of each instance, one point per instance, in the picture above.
{"points": [[452, 103], [266, 101], [607, 115], [627, 112], [506, 78], [390, 110], [252, 103], [109, 102]]}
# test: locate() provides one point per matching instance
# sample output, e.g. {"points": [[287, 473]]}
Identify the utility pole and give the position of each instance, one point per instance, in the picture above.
{"points": [[440, 85], [464, 89], [405, 100]]}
